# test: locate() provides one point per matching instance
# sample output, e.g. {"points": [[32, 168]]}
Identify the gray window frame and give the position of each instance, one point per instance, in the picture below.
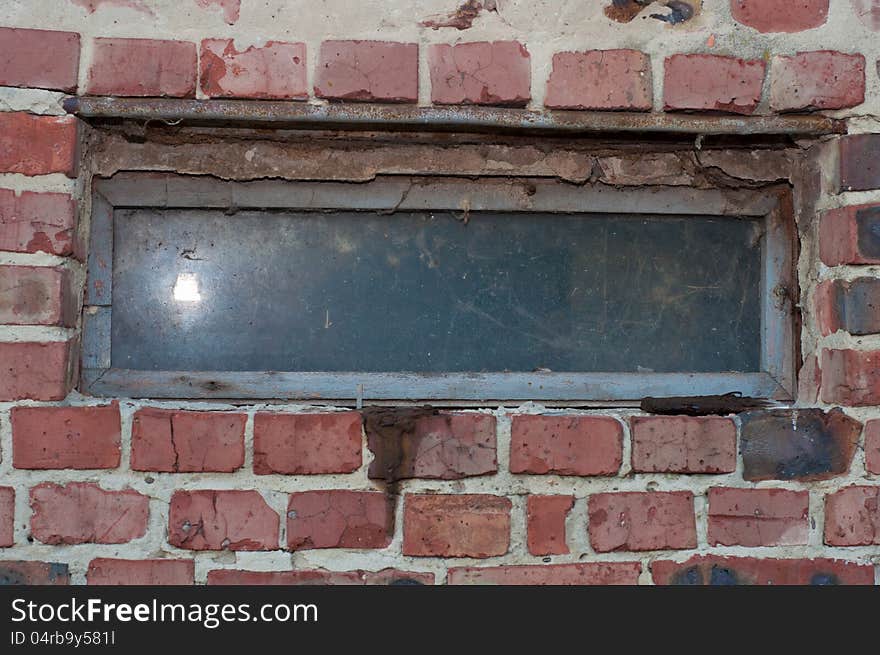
{"points": [[132, 190]]}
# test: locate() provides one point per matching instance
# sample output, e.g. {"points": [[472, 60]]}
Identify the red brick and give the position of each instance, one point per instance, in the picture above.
{"points": [[817, 80], [712, 570], [339, 519], [35, 222], [177, 441], [546, 524], [380, 71], [639, 521], [851, 377], [758, 517], [868, 12], [276, 70], [84, 513], [36, 295], [37, 145], [33, 573], [850, 235], [222, 520], [852, 517], [392, 577], [849, 305], [588, 573], [37, 371], [307, 444], [600, 79], [481, 73], [466, 525], [860, 165], [680, 444], [566, 445], [231, 8], [713, 83], [39, 58], [142, 67], [7, 517], [413, 443], [146, 572], [775, 16], [872, 446], [66, 437]]}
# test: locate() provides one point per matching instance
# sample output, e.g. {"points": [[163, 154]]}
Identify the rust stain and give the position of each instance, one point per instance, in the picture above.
{"points": [[463, 17]]}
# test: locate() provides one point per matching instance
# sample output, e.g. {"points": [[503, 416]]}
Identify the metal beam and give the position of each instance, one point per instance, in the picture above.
{"points": [[277, 114]]}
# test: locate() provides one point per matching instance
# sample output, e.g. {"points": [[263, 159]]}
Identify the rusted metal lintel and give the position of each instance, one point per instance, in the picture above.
{"points": [[460, 119]]}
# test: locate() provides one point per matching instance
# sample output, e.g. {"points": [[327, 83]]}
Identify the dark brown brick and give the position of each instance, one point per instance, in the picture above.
{"points": [[860, 163]]}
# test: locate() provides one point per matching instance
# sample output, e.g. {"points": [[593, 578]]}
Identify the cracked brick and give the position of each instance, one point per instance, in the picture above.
{"points": [[601, 80], [222, 520], [339, 519], [480, 73], [852, 517], [640, 521], [682, 444], [758, 517], [380, 71], [307, 444]]}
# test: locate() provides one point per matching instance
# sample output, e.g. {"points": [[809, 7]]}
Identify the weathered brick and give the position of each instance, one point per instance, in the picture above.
{"points": [[307, 444], [849, 305], [81, 513], [33, 222], [546, 524], [391, 577], [379, 71], [339, 519], [7, 516], [850, 235], [142, 67], [817, 80], [758, 517], [36, 295], [480, 73], [222, 520], [231, 8], [797, 444], [809, 380], [66, 437], [724, 571], [37, 145], [276, 70], [852, 517], [37, 371], [640, 521], [600, 79], [418, 443], [41, 59], [860, 164], [467, 525], [682, 444], [872, 446], [588, 573], [33, 573], [775, 16], [566, 445], [146, 572], [713, 83], [868, 11], [178, 441], [851, 377]]}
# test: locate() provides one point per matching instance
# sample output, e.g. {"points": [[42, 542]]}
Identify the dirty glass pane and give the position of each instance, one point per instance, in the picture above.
{"points": [[434, 292]]}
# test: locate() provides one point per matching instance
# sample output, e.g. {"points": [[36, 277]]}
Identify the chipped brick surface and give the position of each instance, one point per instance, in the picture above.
{"points": [[466, 525], [758, 517], [7, 516], [481, 73], [37, 145], [33, 573], [679, 444], [775, 16], [724, 571], [66, 437], [566, 445], [37, 371], [713, 83], [307, 444], [34, 222], [231, 8], [222, 520], [379, 71], [175, 441], [276, 70], [600, 79], [851, 377], [797, 444], [817, 80], [43, 59], [637, 521], [142, 67], [339, 519], [390, 577], [545, 522], [588, 573], [852, 517], [81, 513], [148, 572]]}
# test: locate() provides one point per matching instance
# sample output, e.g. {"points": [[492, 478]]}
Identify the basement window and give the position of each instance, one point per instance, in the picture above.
{"points": [[435, 289]]}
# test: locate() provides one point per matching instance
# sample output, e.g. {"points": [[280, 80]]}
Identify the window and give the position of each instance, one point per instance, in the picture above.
{"points": [[437, 289]]}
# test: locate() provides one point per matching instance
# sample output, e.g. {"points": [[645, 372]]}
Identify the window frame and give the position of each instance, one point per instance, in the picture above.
{"points": [[137, 190]]}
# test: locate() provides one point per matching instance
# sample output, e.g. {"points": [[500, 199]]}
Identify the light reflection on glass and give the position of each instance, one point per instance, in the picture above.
{"points": [[187, 288]]}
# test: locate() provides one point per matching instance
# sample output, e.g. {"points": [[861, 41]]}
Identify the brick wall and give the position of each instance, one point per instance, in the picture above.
{"points": [[113, 491]]}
